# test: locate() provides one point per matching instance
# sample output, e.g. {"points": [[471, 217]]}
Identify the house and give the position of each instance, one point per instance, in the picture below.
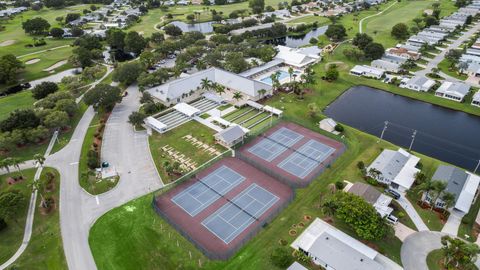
{"points": [[152, 123], [469, 58], [419, 83], [463, 185], [230, 136], [333, 249], [385, 65], [473, 69], [298, 58], [367, 71], [394, 168], [455, 91], [394, 59], [473, 51], [327, 124], [476, 99], [403, 52], [374, 197], [188, 88]]}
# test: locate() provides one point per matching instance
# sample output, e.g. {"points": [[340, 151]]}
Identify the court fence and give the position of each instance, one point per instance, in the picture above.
{"points": [[202, 241]]}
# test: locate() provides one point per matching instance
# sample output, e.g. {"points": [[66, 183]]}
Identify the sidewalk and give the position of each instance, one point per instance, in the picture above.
{"points": [[412, 213]]}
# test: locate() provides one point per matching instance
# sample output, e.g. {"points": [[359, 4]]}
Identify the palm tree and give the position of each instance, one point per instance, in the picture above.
{"points": [[449, 200], [220, 89], [312, 109], [374, 173], [262, 92], [6, 163], [438, 188], [16, 163], [290, 72], [206, 84], [420, 177], [39, 159], [39, 187], [425, 187], [237, 96]]}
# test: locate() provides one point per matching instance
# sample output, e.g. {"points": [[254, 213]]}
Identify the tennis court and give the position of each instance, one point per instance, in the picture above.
{"points": [[207, 190], [275, 144], [302, 162], [236, 215]]}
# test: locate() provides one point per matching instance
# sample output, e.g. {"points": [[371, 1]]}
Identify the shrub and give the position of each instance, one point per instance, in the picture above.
{"points": [[361, 165], [281, 257], [93, 160], [339, 128], [339, 185], [3, 224]]}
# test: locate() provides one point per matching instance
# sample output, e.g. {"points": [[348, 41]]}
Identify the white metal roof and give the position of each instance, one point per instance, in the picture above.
{"points": [[467, 195], [155, 124], [272, 110], [186, 109]]}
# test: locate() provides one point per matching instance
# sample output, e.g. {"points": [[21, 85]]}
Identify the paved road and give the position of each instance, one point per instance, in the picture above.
{"points": [[124, 149], [412, 213], [454, 45]]}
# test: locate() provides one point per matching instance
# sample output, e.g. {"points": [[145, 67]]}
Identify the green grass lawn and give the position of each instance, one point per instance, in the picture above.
{"points": [[444, 66], [405, 219], [45, 248], [174, 139], [434, 259], [21, 100], [468, 229], [310, 19]]}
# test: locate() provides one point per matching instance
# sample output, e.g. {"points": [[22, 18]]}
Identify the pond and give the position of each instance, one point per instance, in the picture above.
{"points": [[298, 41], [448, 135], [204, 27]]}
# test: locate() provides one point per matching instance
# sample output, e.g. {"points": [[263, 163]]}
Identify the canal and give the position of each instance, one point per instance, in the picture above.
{"points": [[445, 134], [298, 41]]}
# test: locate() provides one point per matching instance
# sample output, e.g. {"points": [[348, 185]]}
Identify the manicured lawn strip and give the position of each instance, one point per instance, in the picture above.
{"points": [[12, 236], [223, 107], [21, 100], [310, 19], [174, 139], [405, 220], [433, 259], [444, 66], [236, 113], [246, 116], [466, 230], [422, 61], [45, 250]]}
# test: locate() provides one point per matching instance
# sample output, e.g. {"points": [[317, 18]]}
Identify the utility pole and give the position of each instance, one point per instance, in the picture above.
{"points": [[478, 164], [413, 139], [383, 131]]}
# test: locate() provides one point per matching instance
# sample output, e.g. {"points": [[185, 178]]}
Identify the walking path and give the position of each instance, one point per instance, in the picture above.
{"points": [[412, 213], [31, 211], [361, 21]]}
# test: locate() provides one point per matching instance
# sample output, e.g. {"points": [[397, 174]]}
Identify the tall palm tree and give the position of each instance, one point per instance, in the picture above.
{"points": [[425, 187], [206, 84], [290, 72], [449, 200], [438, 188], [16, 163], [39, 159], [262, 92], [219, 89], [237, 96], [6, 163], [39, 187]]}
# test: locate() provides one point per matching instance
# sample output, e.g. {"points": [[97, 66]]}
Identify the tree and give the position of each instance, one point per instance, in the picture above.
{"points": [[449, 199], [438, 187], [358, 214], [39, 159], [115, 38], [16, 164], [36, 26], [127, 73], [157, 38], [353, 54], [20, 119], [336, 32], [56, 120], [172, 30], [362, 40], [290, 72], [332, 73], [262, 92], [400, 31], [103, 97], [44, 89], [6, 163], [418, 21], [136, 118], [313, 109], [281, 257], [220, 89], [54, 3], [459, 254], [11, 203], [453, 56], [9, 67], [257, 6], [374, 51], [56, 32], [82, 57], [235, 62], [430, 20], [71, 17], [206, 84], [237, 96], [148, 58], [40, 188], [134, 42]]}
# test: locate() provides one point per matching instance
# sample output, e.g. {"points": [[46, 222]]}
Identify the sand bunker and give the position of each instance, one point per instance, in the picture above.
{"points": [[7, 43], [56, 65], [32, 61]]}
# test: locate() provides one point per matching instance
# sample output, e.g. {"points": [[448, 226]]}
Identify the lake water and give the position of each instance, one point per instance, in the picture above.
{"points": [[445, 134], [205, 27], [298, 41]]}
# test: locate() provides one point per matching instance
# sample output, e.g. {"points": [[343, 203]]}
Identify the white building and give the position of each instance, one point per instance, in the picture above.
{"points": [[374, 197], [298, 57], [367, 71], [455, 91], [476, 99], [327, 124], [188, 88], [385, 65], [333, 249], [395, 168], [419, 83]]}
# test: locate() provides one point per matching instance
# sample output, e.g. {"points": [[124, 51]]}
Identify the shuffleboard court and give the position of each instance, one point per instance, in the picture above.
{"points": [[207, 190], [301, 162], [236, 215], [278, 142]]}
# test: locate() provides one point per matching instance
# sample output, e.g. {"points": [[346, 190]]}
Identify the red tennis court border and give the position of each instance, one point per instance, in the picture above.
{"points": [[278, 173], [191, 227]]}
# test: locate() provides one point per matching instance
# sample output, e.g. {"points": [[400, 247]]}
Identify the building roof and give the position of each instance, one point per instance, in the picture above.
{"points": [[454, 88], [386, 65], [154, 123], [186, 109], [398, 166], [296, 266], [465, 199], [476, 96], [394, 58], [421, 81], [256, 70], [297, 57], [177, 88], [367, 69], [336, 248], [367, 192], [230, 134]]}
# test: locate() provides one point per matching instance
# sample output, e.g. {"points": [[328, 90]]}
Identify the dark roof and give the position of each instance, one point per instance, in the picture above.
{"points": [[369, 193], [454, 177]]}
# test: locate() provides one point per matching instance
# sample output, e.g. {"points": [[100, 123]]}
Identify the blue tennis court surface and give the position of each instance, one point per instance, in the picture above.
{"points": [[271, 147], [302, 162], [206, 191], [235, 216]]}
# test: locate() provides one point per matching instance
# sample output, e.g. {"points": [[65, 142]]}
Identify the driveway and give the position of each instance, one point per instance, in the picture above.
{"points": [[412, 213], [453, 222]]}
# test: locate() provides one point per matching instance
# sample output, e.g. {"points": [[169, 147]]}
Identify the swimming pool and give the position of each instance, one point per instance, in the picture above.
{"points": [[282, 75]]}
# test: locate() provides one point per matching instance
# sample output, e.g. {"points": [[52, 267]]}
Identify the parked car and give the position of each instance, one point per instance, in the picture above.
{"points": [[393, 193], [392, 219]]}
